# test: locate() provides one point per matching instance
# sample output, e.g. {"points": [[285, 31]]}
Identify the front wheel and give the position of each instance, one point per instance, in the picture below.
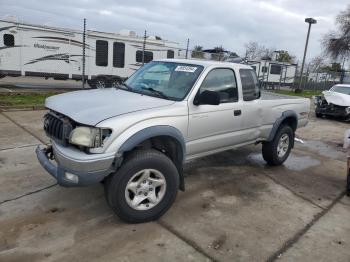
{"points": [[144, 187], [277, 151]]}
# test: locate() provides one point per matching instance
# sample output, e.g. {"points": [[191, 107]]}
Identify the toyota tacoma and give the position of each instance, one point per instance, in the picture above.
{"points": [[135, 138]]}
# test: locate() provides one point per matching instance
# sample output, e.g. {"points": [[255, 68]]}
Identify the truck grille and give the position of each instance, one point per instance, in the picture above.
{"points": [[53, 126]]}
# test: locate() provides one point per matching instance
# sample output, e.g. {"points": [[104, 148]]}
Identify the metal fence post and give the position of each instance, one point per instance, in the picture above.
{"points": [[84, 39], [188, 42], [144, 47]]}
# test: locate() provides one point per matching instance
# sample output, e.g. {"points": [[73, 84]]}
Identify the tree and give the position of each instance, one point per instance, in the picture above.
{"points": [[218, 53], [316, 63], [333, 67], [337, 43], [254, 51], [284, 56], [197, 52]]}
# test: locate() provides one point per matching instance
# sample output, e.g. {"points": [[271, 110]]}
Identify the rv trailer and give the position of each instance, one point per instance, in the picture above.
{"points": [[43, 51], [273, 72]]}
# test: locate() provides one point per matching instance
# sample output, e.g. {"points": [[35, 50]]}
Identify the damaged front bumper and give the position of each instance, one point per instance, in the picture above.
{"points": [[72, 168], [323, 108]]}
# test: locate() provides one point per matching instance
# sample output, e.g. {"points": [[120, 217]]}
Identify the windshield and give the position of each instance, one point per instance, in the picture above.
{"points": [[167, 80], [341, 89]]}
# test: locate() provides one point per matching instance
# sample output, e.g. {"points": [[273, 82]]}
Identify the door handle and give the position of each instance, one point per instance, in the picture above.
{"points": [[237, 112]]}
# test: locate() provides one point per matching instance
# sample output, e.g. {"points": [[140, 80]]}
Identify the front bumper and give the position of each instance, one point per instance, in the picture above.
{"points": [[85, 171], [332, 110]]}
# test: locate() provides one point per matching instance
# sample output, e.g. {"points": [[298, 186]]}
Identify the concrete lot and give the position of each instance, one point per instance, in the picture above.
{"points": [[235, 208]]}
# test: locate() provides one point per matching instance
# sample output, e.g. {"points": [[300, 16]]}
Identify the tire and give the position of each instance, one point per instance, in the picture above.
{"points": [[270, 150], [133, 174], [114, 82], [318, 115], [98, 83]]}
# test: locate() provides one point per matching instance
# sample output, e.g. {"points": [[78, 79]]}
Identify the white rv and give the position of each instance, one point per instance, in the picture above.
{"points": [[274, 72], [35, 50]]}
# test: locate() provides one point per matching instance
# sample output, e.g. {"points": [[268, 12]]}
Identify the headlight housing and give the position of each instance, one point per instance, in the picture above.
{"points": [[86, 136], [347, 110]]}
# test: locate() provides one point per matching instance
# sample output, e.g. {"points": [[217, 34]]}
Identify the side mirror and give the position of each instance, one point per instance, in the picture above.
{"points": [[207, 98]]}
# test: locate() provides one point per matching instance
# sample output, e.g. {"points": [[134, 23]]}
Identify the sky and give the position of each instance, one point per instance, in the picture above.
{"points": [[277, 24]]}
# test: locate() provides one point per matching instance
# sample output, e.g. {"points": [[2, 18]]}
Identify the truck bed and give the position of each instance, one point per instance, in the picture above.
{"points": [[265, 95]]}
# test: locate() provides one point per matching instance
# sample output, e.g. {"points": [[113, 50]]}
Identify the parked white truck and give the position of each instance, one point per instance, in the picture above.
{"points": [[135, 138]]}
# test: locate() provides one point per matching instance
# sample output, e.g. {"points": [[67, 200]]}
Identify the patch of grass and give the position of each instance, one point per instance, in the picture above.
{"points": [[305, 93], [24, 99]]}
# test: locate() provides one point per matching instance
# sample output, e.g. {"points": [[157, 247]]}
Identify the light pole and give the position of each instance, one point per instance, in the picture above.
{"points": [[310, 21]]}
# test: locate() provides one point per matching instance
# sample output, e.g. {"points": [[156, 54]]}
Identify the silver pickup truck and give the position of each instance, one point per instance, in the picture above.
{"points": [[136, 137]]}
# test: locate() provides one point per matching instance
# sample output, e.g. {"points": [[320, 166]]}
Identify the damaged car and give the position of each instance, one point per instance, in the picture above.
{"points": [[335, 102]]}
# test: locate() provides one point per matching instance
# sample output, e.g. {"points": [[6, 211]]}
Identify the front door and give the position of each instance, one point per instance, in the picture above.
{"points": [[213, 127]]}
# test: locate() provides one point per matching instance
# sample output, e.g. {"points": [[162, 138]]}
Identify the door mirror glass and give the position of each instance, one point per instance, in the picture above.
{"points": [[207, 98]]}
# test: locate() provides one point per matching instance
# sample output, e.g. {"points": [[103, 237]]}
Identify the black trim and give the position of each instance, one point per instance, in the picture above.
{"points": [[6, 27], [46, 74], [78, 77], [6, 47], [10, 73], [286, 114]]}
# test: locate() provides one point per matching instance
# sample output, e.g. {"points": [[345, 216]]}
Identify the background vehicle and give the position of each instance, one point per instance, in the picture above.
{"points": [[136, 138], [335, 102], [50, 52]]}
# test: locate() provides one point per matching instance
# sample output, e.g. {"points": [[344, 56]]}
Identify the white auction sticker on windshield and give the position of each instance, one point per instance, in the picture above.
{"points": [[189, 69]]}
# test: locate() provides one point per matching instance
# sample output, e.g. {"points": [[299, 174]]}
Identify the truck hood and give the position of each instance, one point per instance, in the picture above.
{"points": [[336, 98], [90, 107]]}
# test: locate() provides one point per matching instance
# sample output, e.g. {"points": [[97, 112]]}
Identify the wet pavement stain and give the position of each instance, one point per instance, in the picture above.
{"points": [[299, 163], [324, 148]]}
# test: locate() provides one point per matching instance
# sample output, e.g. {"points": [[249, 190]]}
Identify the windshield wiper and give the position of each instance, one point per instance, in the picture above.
{"points": [[125, 85], [159, 93]]}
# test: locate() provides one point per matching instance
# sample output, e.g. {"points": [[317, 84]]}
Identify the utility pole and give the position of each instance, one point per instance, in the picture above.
{"points": [[310, 21], [144, 47], [188, 43], [84, 40]]}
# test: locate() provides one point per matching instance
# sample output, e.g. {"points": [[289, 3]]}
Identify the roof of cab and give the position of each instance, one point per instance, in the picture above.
{"points": [[343, 85], [205, 63]]}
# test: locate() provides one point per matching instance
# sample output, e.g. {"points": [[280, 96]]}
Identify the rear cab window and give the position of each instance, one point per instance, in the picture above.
{"points": [[250, 84]]}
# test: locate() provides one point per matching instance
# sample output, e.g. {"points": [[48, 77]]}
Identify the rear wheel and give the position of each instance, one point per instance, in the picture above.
{"points": [[115, 82], [100, 83], [144, 187], [277, 151]]}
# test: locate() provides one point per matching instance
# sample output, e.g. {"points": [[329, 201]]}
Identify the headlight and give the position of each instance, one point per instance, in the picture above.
{"points": [[86, 136], [347, 110]]}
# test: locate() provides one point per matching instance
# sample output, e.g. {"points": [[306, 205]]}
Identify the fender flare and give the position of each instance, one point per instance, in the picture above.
{"points": [[278, 122], [154, 131]]}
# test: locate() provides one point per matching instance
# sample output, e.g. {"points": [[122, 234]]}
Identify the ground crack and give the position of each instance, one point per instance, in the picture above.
{"points": [[27, 194], [290, 242]]}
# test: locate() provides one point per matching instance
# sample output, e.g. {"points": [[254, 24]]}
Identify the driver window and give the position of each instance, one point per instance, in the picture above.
{"points": [[223, 81]]}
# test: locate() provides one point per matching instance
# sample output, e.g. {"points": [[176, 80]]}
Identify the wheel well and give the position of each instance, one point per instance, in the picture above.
{"points": [[168, 146], [290, 121]]}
